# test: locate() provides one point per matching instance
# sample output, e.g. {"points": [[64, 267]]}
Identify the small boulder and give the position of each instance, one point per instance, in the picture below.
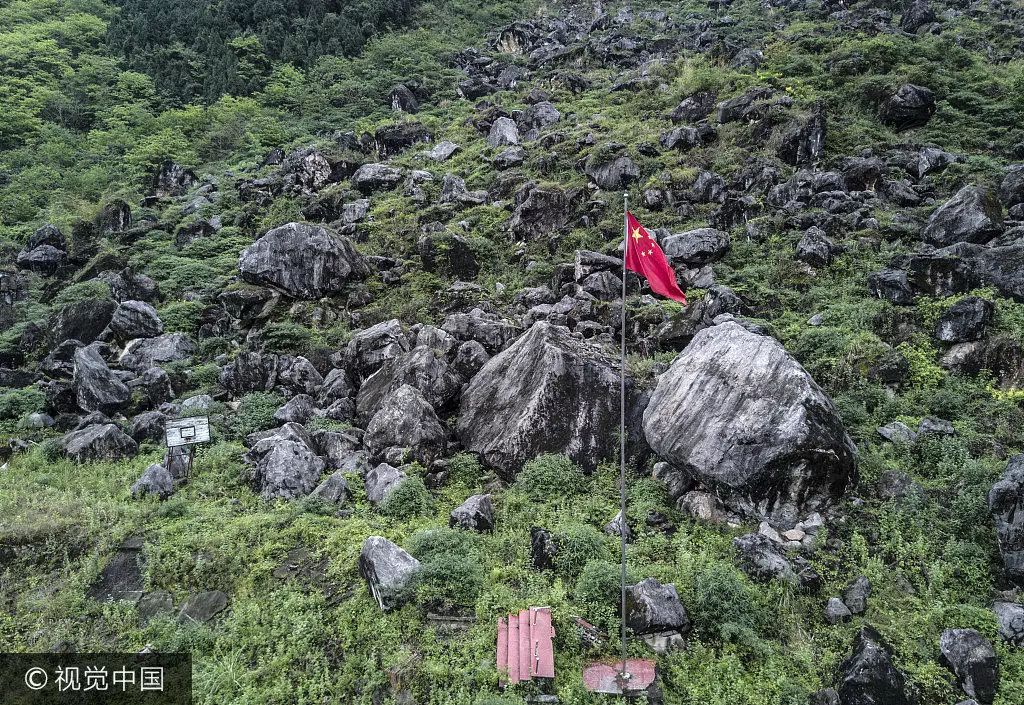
{"points": [[287, 470], [966, 320], [503, 133], [1010, 619], [909, 107], [333, 490], [155, 481], [973, 660], [475, 514], [381, 481], [652, 607], [855, 597], [868, 676], [836, 611], [388, 571], [974, 214]]}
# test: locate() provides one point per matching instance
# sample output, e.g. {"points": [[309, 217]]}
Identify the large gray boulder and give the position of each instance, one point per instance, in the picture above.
{"points": [[652, 607], [1006, 502], [370, 348], [406, 420], [503, 133], [696, 247], [134, 319], [974, 214], [421, 368], [285, 467], [306, 261], [388, 571], [738, 412], [973, 660], [869, 677], [97, 388], [546, 393], [142, 353], [376, 177], [98, 442]]}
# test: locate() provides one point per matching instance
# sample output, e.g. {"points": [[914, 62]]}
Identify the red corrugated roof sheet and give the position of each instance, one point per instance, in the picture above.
{"points": [[525, 650]]}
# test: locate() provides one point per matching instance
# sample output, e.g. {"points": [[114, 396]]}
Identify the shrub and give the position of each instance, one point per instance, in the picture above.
{"points": [[256, 412], [599, 584], [722, 603], [577, 545], [286, 337], [548, 476], [408, 500], [452, 571], [92, 289], [19, 402], [181, 316]]}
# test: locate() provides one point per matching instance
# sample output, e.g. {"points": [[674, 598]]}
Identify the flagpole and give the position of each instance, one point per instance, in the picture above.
{"points": [[622, 432]]}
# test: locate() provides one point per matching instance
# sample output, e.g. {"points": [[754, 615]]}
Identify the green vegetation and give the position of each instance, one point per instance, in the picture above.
{"points": [[96, 95]]}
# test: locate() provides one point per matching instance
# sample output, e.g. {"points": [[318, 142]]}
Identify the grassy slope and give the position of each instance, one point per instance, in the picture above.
{"points": [[752, 643]]}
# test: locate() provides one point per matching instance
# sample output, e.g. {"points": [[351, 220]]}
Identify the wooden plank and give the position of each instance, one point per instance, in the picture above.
{"points": [[525, 672], [502, 650], [513, 648], [542, 650]]}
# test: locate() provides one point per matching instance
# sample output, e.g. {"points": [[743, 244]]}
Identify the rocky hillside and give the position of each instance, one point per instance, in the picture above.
{"points": [[392, 282]]}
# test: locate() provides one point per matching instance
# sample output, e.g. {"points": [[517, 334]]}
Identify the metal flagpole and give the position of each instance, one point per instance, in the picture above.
{"points": [[622, 431]]}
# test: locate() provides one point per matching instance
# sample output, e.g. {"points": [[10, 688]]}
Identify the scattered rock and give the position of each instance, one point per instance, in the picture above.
{"points": [[155, 481], [1006, 503], [388, 571], [333, 490], [406, 420], [973, 660], [475, 514]]}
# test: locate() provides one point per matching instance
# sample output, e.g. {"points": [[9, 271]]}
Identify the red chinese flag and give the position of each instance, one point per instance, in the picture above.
{"points": [[644, 257]]}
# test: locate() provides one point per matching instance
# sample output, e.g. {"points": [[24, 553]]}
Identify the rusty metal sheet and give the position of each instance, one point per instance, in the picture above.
{"points": [[502, 650], [541, 649], [513, 648], [525, 660], [604, 677]]}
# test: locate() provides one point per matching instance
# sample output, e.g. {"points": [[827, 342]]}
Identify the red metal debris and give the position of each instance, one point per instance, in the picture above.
{"points": [[604, 677], [525, 650]]}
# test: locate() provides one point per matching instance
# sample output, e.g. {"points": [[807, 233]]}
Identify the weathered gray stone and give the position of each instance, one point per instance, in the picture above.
{"points": [[305, 261], [388, 571], [745, 418], [546, 393]]}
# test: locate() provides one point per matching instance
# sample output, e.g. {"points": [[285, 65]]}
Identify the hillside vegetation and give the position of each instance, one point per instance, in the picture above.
{"points": [[379, 245]]}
